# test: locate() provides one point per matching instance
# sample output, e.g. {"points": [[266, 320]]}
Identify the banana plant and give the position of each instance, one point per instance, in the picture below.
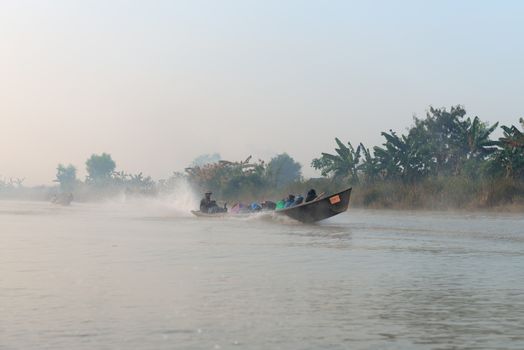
{"points": [[402, 157], [342, 165], [476, 139], [511, 153], [369, 167]]}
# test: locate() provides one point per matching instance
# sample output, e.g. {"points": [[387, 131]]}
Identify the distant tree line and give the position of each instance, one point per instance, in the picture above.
{"points": [[445, 143], [438, 158], [208, 172], [102, 178], [444, 159], [246, 178]]}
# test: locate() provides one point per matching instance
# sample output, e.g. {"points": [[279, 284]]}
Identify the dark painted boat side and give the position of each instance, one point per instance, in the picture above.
{"points": [[319, 209]]}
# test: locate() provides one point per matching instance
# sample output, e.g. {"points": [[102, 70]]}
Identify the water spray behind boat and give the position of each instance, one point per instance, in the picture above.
{"points": [[182, 199]]}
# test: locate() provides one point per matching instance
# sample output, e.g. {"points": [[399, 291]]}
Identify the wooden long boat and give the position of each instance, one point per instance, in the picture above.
{"points": [[318, 209]]}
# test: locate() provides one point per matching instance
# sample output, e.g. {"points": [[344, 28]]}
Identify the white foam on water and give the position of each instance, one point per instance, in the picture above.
{"points": [[268, 216], [182, 199], [178, 202]]}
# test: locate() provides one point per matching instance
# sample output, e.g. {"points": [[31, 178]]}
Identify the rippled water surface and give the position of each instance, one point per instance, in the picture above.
{"points": [[120, 276]]}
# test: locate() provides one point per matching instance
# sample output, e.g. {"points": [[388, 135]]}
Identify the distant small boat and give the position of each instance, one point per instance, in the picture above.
{"points": [[62, 199], [321, 208]]}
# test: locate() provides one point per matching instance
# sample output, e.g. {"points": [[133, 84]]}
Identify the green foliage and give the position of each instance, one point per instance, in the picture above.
{"points": [[66, 177], [282, 170], [445, 140], [229, 179], [444, 143], [444, 160], [369, 167], [476, 138], [133, 183], [341, 166], [442, 132], [508, 160], [246, 179], [100, 169], [403, 157]]}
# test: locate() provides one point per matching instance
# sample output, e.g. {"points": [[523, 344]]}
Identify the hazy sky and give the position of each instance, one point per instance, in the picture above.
{"points": [[158, 83]]}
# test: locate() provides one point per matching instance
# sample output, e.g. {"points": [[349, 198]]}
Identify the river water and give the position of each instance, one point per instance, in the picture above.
{"points": [[146, 276]]}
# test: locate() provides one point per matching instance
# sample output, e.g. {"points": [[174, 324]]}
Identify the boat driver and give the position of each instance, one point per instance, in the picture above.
{"points": [[207, 203]]}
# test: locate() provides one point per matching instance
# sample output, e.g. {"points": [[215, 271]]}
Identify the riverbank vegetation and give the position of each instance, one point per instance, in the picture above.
{"points": [[444, 160]]}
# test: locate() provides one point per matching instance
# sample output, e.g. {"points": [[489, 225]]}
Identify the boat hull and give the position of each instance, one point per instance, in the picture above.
{"points": [[227, 214], [209, 215], [320, 208]]}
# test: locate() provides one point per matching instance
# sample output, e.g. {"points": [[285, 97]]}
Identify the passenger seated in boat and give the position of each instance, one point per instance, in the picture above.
{"points": [[207, 205], [298, 200], [311, 195], [255, 207], [268, 205], [290, 200], [238, 208], [280, 204]]}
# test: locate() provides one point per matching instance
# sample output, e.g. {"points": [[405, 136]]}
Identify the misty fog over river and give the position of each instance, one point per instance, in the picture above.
{"points": [[147, 275]]}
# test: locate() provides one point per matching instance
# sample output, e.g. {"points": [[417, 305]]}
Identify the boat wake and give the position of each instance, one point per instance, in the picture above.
{"points": [[177, 203], [267, 216]]}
